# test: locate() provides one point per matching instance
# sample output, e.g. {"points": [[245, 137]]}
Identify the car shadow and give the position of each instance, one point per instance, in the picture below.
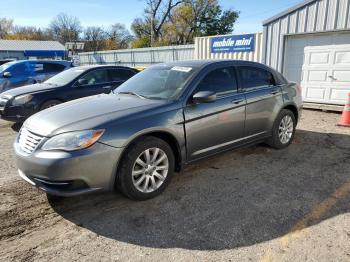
{"points": [[236, 199]]}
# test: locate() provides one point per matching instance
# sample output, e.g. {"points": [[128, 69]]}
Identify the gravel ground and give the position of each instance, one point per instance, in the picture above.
{"points": [[254, 204]]}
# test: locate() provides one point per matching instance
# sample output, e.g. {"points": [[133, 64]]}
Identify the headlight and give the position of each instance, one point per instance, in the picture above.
{"points": [[73, 140], [20, 100]]}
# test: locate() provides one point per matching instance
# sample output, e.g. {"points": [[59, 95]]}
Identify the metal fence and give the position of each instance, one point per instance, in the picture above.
{"points": [[138, 57]]}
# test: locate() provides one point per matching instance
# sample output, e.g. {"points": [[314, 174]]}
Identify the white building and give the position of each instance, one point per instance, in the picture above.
{"points": [[27, 49], [310, 44]]}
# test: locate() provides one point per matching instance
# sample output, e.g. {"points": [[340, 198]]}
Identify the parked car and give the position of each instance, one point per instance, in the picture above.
{"points": [[4, 61], [25, 72], [18, 104], [162, 119]]}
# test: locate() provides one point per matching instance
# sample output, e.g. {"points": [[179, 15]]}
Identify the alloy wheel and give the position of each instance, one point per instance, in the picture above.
{"points": [[286, 129], [150, 170]]}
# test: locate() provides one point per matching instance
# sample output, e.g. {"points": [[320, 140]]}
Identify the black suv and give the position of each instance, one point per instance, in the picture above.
{"points": [[18, 104]]}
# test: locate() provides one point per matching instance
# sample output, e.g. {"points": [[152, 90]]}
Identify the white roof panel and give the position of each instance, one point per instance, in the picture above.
{"points": [[21, 45]]}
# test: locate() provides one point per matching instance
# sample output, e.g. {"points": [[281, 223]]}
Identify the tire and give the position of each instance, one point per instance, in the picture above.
{"points": [[131, 172], [50, 103], [277, 139]]}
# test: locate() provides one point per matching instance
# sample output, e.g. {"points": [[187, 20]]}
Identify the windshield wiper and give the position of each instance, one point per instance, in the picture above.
{"points": [[132, 93]]}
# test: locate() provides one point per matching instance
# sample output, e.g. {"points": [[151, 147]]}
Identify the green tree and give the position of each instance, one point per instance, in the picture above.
{"points": [[185, 20]]}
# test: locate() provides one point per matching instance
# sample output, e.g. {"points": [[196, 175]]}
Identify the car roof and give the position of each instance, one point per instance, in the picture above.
{"points": [[46, 61], [87, 67], [205, 62]]}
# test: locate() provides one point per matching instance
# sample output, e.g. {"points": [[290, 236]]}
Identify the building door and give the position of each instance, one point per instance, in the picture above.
{"points": [[294, 59], [326, 74]]}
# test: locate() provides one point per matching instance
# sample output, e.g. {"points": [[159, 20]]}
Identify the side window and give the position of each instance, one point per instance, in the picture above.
{"points": [[53, 68], [221, 81], [120, 74], [254, 77], [19, 69], [96, 77], [38, 68]]}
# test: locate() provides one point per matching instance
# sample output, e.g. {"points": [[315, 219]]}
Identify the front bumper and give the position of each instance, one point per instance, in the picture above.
{"points": [[70, 173], [16, 113]]}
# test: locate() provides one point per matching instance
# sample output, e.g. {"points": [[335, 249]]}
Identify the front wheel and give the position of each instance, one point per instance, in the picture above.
{"points": [[146, 169], [283, 130]]}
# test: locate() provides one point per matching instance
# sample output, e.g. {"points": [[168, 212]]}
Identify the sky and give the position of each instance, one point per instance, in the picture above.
{"points": [[106, 12]]}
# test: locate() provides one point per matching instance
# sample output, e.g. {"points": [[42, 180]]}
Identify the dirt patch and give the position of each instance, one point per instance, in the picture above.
{"points": [[240, 206]]}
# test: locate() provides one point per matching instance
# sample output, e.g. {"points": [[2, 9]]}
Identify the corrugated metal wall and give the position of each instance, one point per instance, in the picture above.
{"points": [[202, 50], [12, 54], [315, 16], [139, 56]]}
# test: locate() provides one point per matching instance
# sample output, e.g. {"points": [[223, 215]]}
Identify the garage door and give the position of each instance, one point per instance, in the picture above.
{"points": [[294, 57], [326, 74]]}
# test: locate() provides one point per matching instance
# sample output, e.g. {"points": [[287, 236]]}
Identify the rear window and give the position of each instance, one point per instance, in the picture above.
{"points": [[53, 68], [254, 77], [120, 74]]}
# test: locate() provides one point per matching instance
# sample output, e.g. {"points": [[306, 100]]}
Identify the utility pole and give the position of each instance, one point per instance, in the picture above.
{"points": [[152, 31]]}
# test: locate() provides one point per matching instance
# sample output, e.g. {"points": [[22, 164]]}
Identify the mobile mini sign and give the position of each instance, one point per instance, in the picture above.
{"points": [[233, 43]]}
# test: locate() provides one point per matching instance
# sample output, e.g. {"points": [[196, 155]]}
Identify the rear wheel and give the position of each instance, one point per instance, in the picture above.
{"points": [[283, 130], [146, 169], [50, 103]]}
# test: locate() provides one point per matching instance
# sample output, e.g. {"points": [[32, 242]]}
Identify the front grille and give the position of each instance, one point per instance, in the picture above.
{"points": [[28, 141]]}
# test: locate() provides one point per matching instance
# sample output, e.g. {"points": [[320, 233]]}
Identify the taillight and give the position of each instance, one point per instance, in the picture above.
{"points": [[299, 88]]}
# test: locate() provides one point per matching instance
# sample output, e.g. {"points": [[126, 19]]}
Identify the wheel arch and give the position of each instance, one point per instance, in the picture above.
{"points": [[168, 137], [51, 99], [293, 108]]}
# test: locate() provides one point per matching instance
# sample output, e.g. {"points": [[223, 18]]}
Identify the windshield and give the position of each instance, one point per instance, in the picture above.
{"points": [[5, 66], [160, 82], [65, 77]]}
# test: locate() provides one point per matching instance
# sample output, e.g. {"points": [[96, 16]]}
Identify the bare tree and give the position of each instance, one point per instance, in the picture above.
{"points": [[6, 26], [29, 33], [65, 28], [95, 38], [157, 13], [119, 36]]}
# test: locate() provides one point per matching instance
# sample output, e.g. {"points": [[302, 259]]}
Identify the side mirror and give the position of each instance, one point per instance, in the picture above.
{"points": [[204, 97], [82, 82], [7, 75]]}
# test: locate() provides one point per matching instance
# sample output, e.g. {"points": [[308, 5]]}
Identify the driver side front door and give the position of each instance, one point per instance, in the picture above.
{"points": [[97, 82]]}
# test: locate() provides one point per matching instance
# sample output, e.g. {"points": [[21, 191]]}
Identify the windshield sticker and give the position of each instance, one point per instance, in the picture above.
{"points": [[181, 69]]}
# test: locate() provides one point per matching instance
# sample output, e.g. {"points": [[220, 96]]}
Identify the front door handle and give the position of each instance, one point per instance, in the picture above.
{"points": [[107, 87], [237, 101], [274, 92]]}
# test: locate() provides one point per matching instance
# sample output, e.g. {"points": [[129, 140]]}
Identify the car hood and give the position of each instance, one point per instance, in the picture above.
{"points": [[86, 113], [28, 89]]}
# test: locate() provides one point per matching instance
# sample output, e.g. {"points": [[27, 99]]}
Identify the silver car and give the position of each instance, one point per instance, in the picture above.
{"points": [[154, 124]]}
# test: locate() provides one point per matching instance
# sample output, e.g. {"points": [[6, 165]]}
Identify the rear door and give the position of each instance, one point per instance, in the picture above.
{"points": [[213, 127], [97, 82], [264, 100]]}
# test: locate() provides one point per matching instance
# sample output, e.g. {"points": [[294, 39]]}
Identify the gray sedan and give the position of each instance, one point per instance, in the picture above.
{"points": [[154, 124]]}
